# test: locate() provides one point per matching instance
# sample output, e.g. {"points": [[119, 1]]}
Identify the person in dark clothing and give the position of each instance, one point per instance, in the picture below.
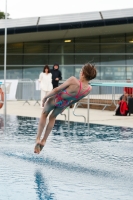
{"points": [[56, 75]]}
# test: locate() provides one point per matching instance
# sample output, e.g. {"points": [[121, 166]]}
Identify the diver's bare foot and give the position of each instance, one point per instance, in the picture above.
{"points": [[37, 148], [42, 143]]}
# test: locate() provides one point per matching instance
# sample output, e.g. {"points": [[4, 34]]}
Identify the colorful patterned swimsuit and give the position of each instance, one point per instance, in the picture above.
{"points": [[61, 103]]}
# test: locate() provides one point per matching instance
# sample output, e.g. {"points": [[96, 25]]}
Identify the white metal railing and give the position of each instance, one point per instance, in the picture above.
{"points": [[28, 90], [116, 89], [103, 93]]}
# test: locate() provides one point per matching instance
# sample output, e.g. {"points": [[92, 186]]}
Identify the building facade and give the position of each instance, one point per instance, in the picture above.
{"points": [[103, 38]]}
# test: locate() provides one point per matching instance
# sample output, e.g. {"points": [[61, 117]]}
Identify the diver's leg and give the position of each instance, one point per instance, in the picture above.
{"points": [[42, 96], [49, 105], [51, 123]]}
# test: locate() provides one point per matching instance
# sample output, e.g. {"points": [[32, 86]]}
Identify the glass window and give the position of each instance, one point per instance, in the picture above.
{"points": [[1, 48], [113, 73], [67, 71], [36, 47], [14, 72], [129, 56], [55, 46], [86, 50], [112, 56], [113, 67], [113, 38], [89, 40], [130, 72], [15, 48], [1, 59], [98, 68], [35, 59], [68, 59], [32, 72], [77, 70], [112, 60], [54, 59], [129, 51], [113, 48], [112, 51], [68, 47], [82, 59], [2, 72], [61, 52], [14, 59]]}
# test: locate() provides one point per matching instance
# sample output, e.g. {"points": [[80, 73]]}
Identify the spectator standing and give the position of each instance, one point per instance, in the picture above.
{"points": [[56, 75], [45, 79]]}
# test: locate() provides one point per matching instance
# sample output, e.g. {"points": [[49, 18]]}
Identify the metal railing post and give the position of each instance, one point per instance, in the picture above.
{"points": [[88, 110], [75, 106], [5, 54], [68, 119]]}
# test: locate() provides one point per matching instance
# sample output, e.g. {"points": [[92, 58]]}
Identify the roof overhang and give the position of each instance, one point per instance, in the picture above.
{"points": [[67, 26]]}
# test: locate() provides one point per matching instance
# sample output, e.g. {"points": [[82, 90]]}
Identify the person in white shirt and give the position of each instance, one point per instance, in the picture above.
{"points": [[45, 79]]}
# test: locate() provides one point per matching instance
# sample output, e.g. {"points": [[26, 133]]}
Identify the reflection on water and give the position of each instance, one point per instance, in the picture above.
{"points": [[42, 187], [75, 165]]}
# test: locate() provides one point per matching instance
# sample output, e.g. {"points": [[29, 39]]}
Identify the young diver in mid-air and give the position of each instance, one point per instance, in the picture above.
{"points": [[68, 93]]}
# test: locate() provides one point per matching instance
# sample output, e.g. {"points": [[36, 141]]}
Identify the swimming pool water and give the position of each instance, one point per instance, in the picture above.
{"points": [[72, 166]]}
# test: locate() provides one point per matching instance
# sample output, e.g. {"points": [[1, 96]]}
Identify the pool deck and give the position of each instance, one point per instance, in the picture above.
{"points": [[95, 116]]}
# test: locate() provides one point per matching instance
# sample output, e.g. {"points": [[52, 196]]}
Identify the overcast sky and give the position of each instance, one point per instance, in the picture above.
{"points": [[36, 8]]}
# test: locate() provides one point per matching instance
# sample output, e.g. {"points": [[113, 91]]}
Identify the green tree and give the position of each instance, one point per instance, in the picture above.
{"points": [[2, 15]]}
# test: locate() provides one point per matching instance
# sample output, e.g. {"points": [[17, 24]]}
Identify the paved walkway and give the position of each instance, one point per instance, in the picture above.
{"points": [[95, 116]]}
